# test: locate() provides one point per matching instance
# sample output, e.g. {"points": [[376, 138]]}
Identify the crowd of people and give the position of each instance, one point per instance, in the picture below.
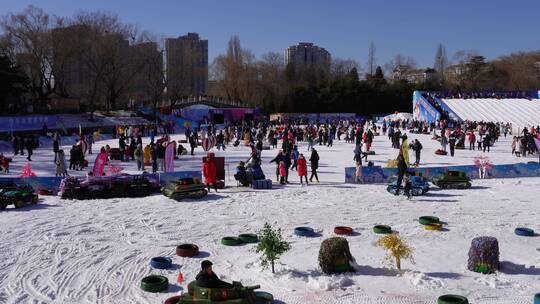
{"points": [[482, 94]]}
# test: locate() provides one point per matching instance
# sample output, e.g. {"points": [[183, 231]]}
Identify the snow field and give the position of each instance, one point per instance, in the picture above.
{"points": [[63, 251]]}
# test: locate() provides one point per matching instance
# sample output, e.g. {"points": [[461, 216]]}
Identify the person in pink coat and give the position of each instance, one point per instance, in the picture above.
{"points": [[302, 168]]}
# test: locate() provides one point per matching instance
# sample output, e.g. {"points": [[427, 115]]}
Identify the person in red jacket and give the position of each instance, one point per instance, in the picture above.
{"points": [[302, 168], [209, 172]]}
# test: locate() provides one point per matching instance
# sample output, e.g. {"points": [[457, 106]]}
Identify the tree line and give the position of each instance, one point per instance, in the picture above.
{"points": [[115, 62]]}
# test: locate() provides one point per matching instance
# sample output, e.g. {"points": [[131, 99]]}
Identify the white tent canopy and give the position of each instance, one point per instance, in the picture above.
{"points": [[399, 116]]}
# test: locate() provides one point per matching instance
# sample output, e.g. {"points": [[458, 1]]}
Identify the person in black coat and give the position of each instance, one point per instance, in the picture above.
{"points": [[153, 155], [487, 142], [452, 142], [192, 143], [417, 147], [30, 146], [402, 169], [208, 279], [314, 160], [122, 146]]}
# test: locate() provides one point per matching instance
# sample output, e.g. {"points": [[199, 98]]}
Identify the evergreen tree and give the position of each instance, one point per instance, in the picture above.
{"points": [[272, 246], [13, 83], [353, 74], [441, 62]]}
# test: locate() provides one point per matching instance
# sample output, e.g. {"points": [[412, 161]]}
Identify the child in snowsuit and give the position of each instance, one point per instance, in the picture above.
{"points": [[282, 172], [302, 168]]}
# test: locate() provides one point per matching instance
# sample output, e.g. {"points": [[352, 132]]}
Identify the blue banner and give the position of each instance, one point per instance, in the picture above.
{"points": [[423, 110], [377, 174], [27, 123]]}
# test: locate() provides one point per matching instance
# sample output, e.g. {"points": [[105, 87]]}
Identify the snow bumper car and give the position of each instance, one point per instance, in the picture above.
{"points": [[18, 195], [419, 185], [185, 188], [237, 295], [121, 185], [452, 180]]}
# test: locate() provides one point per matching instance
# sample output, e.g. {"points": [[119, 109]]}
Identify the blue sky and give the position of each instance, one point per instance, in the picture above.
{"points": [[344, 27]]}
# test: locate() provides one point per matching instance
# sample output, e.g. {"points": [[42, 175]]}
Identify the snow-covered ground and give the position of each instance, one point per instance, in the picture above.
{"points": [[97, 251]]}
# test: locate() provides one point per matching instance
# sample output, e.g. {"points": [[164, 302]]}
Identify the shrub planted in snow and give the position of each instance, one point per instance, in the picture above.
{"points": [[335, 255], [397, 249], [272, 246], [484, 255]]}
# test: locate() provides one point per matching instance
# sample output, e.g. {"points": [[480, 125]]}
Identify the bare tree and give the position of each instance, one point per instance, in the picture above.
{"points": [[341, 67], [400, 61], [235, 71], [27, 40], [112, 61]]}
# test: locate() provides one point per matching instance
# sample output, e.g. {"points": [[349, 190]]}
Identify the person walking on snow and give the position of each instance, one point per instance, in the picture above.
{"points": [[60, 161], [417, 147], [302, 168], [402, 169], [314, 160], [138, 154], [295, 155]]}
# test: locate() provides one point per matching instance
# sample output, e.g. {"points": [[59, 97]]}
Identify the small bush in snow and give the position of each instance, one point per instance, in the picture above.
{"points": [[271, 245], [397, 249]]}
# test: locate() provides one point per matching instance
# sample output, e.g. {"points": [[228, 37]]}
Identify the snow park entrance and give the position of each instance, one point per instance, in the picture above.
{"points": [[135, 219]]}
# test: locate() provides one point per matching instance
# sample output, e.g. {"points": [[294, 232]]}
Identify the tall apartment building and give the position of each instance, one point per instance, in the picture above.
{"points": [[306, 54], [71, 69], [186, 65]]}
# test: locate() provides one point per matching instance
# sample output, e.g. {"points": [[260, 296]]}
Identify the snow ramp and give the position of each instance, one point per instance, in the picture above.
{"points": [[520, 112]]}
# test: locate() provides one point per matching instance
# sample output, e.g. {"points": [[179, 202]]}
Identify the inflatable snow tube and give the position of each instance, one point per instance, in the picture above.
{"points": [[522, 231], [425, 220], [173, 300], [452, 299], [231, 241], [303, 231], [343, 230], [161, 262], [441, 152], [187, 250], [248, 238], [537, 298], [263, 297], [154, 283], [433, 226], [45, 192], [382, 229]]}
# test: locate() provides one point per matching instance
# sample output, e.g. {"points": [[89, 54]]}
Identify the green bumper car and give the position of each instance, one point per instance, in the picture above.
{"points": [[452, 180], [237, 295], [18, 195], [185, 188]]}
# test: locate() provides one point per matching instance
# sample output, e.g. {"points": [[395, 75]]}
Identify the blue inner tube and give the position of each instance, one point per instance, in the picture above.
{"points": [[303, 231], [161, 262], [522, 231], [537, 298]]}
